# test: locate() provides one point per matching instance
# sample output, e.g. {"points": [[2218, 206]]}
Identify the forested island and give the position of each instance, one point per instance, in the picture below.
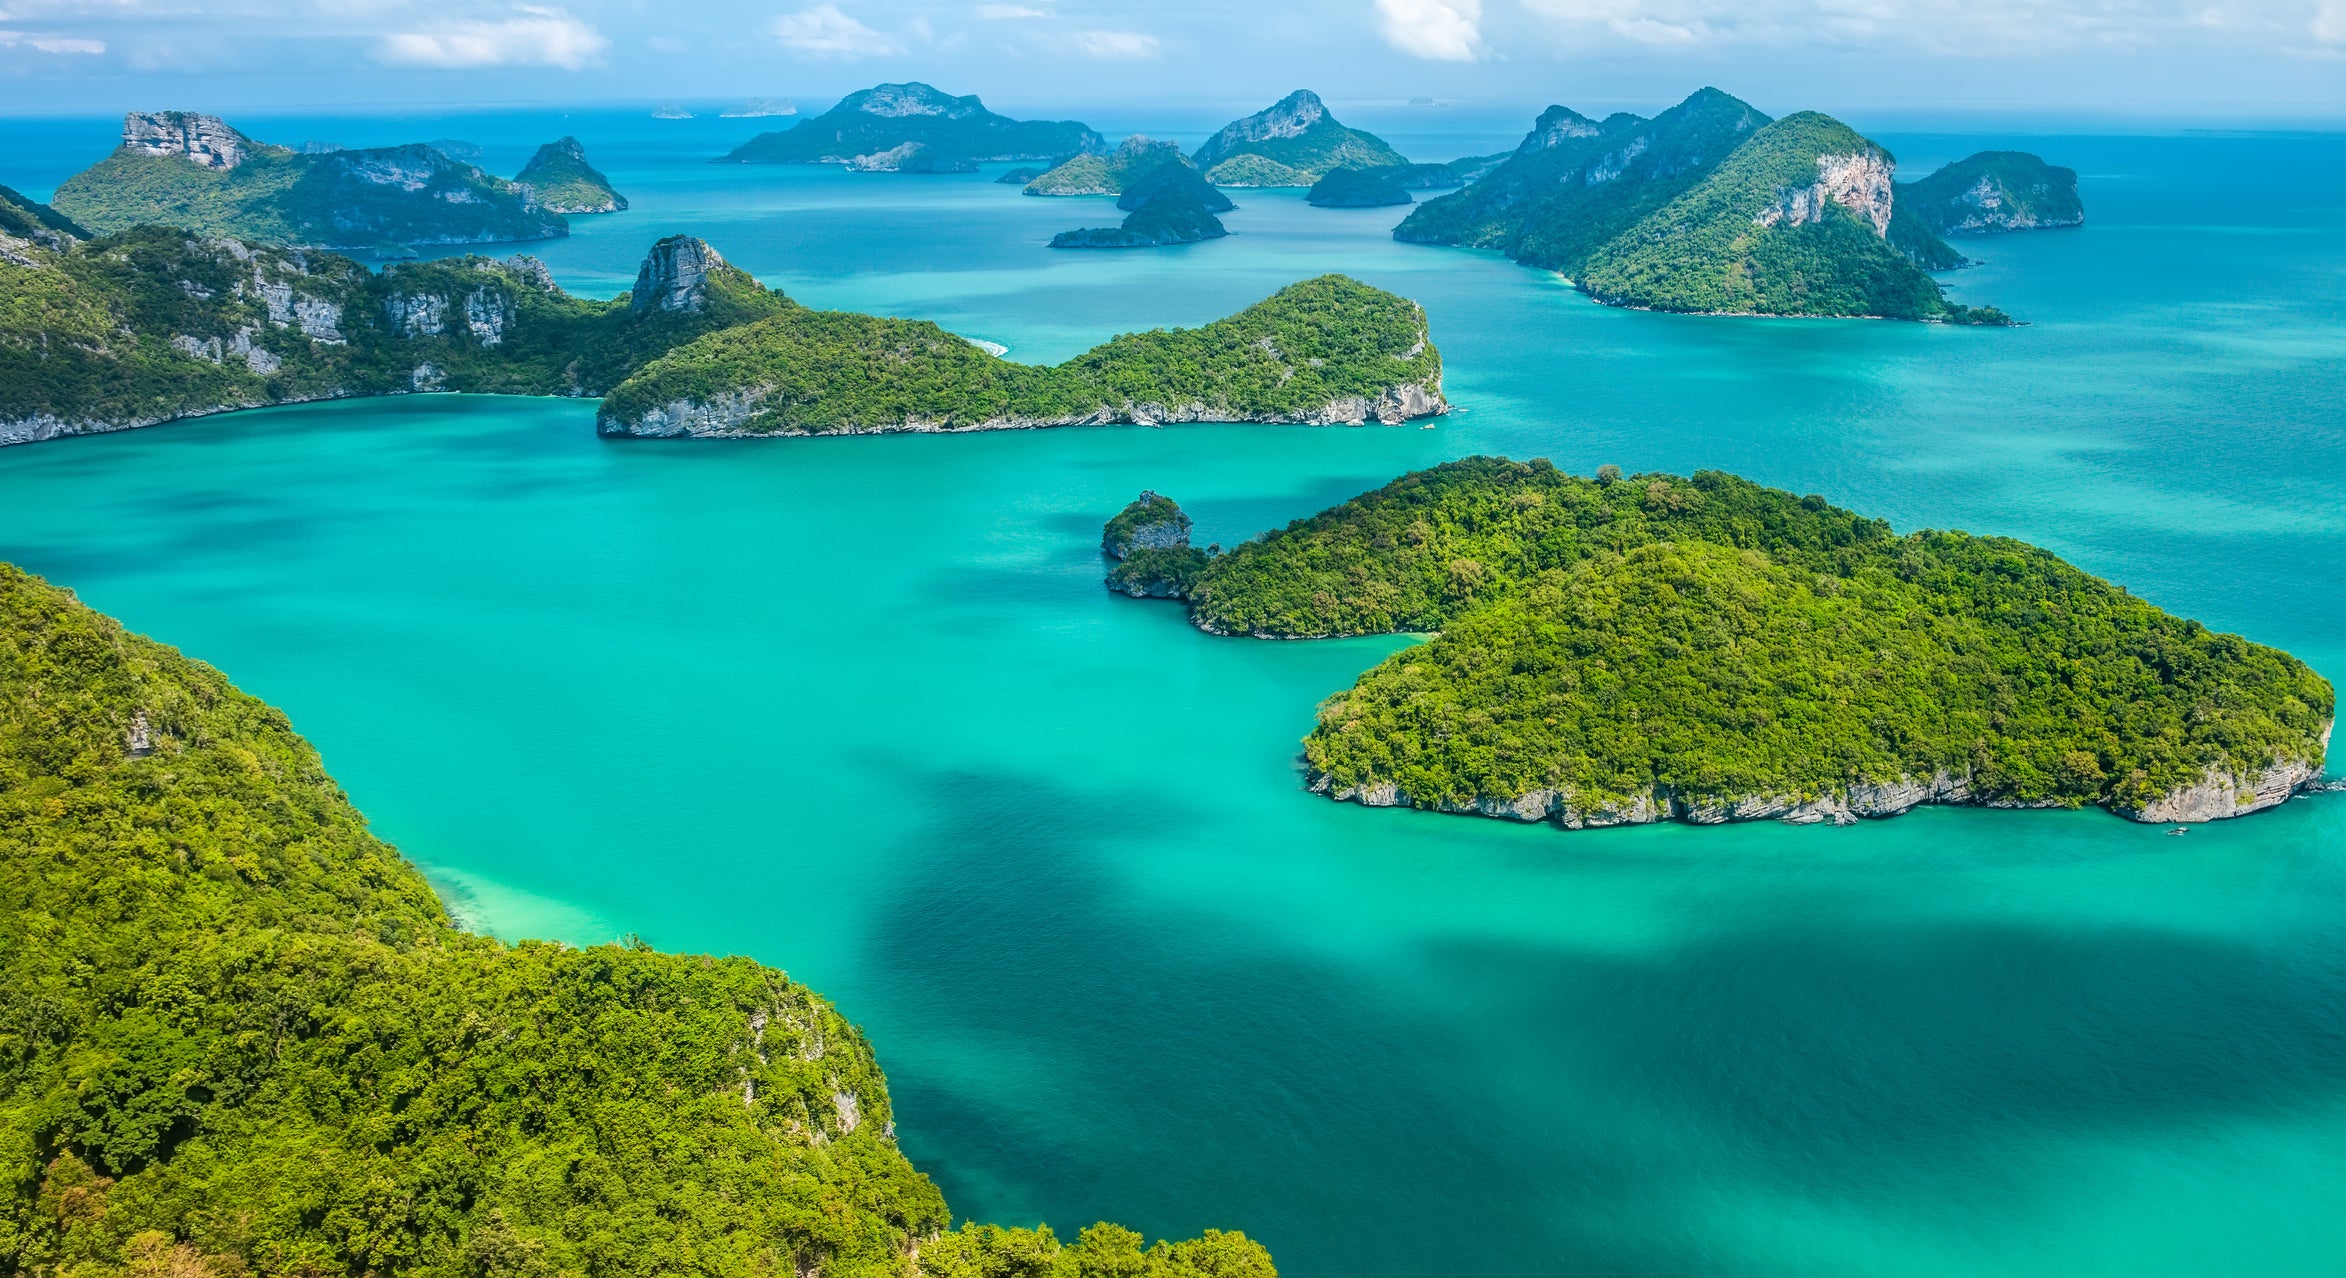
{"points": [[1638, 648], [1293, 142], [182, 169], [1324, 351], [243, 1037], [152, 325], [1088, 174], [870, 124], [1710, 208], [1994, 191], [1169, 203]]}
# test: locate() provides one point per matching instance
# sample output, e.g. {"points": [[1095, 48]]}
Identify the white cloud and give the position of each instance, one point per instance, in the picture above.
{"points": [[827, 33], [50, 43], [1437, 30], [537, 37], [1118, 44], [1000, 12], [2329, 23], [1960, 27]]}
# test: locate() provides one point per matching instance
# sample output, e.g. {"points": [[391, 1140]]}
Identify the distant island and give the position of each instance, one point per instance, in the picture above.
{"points": [[195, 172], [1088, 174], [264, 1048], [1711, 208], [1325, 351], [760, 108], [1293, 142], [1637, 648], [1169, 204], [1359, 189], [564, 182], [880, 119], [1994, 191]]}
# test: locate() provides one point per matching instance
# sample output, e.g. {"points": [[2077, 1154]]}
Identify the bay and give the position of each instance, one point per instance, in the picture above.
{"points": [[859, 708]]}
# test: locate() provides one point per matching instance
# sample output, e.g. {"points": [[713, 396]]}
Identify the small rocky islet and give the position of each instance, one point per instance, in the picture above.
{"points": [[1627, 649]]}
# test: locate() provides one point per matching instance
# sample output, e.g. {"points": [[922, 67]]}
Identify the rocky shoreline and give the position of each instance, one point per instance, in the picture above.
{"points": [[2217, 796], [727, 416]]}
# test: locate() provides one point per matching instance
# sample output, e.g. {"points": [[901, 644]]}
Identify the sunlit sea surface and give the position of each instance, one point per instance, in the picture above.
{"points": [[860, 708]]}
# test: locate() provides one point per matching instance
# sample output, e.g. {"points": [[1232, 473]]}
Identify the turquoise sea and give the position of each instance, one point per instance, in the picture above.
{"points": [[860, 708]]}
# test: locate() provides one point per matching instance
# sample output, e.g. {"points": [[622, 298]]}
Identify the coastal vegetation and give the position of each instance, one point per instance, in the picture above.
{"points": [[1326, 349], [879, 119], [242, 1037], [1637, 647], [563, 181], [1293, 142], [1994, 191], [196, 173], [1709, 207]]}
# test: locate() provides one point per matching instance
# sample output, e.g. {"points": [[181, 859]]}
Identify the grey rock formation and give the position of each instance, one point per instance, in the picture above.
{"points": [[205, 140], [1287, 118], [1556, 126], [674, 276], [1860, 183]]}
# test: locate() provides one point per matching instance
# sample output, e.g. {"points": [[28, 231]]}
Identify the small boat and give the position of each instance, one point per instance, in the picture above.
{"points": [[2181, 829]]}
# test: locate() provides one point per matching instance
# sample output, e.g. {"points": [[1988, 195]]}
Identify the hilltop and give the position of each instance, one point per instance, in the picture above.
{"points": [[1089, 174], [1293, 142], [880, 119], [1169, 204], [564, 182]]}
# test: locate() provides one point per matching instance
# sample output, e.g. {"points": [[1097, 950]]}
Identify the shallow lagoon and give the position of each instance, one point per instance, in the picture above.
{"points": [[859, 708]]}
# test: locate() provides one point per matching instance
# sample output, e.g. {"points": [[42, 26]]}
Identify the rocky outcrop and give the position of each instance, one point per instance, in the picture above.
{"points": [[204, 140], [2221, 794], [728, 416], [2217, 796], [1993, 192], [910, 157], [1556, 126], [1859, 182], [1289, 117], [1150, 522], [674, 276]]}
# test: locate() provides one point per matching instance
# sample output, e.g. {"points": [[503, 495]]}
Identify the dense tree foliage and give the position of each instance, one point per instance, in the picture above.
{"points": [[239, 1035], [1308, 345], [1136, 157], [1576, 183], [1710, 637], [152, 324], [1360, 188], [1708, 251], [1664, 213]]}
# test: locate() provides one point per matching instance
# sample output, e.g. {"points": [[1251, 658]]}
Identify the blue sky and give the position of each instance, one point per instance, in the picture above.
{"points": [[2157, 59]]}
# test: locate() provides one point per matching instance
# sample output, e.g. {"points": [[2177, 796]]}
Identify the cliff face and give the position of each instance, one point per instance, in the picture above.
{"points": [[559, 178], [1293, 142], [205, 141], [674, 276], [1858, 181]]}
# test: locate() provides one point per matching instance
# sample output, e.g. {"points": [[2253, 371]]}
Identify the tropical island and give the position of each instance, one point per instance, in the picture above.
{"points": [[182, 169], [1708, 208], [873, 122], [1637, 648], [1325, 351], [1994, 191], [1359, 189], [150, 326], [564, 182], [1293, 142], [1149, 542], [257, 1043], [1169, 204], [1088, 174]]}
